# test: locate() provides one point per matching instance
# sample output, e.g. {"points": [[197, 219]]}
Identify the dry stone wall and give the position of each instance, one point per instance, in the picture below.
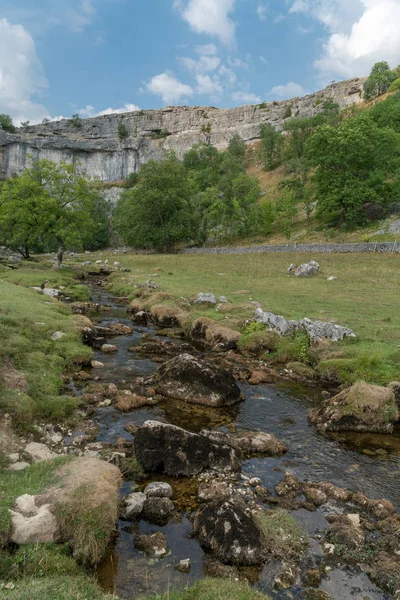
{"points": [[98, 147]]}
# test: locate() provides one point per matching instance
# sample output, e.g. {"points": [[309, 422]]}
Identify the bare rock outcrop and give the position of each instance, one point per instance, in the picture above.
{"points": [[317, 330]]}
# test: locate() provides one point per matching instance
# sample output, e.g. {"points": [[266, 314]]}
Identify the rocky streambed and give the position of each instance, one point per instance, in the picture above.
{"points": [[327, 537]]}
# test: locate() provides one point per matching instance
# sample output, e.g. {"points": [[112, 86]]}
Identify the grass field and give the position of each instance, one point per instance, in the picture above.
{"points": [[364, 297], [28, 353]]}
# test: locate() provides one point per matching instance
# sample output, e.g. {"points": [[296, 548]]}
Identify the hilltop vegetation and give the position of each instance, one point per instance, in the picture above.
{"points": [[333, 172], [339, 170]]}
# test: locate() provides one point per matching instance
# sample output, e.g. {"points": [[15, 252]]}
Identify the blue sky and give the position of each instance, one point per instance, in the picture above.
{"points": [[59, 57]]}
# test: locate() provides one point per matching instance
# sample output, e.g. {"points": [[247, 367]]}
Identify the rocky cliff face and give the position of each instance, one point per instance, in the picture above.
{"points": [[97, 145]]}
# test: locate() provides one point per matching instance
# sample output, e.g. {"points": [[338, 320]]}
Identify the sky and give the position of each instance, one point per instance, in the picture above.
{"points": [[92, 57]]}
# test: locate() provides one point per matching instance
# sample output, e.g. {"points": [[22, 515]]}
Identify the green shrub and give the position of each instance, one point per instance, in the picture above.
{"points": [[288, 112], [6, 123], [253, 327], [159, 135], [395, 85], [76, 121], [294, 348], [122, 131]]}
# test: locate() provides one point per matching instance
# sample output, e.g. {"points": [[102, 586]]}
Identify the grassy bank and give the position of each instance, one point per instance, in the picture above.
{"points": [[31, 362], [69, 586], [364, 297]]}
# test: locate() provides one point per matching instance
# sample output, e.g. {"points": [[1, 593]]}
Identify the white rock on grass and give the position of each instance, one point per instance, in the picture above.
{"points": [[159, 489], [31, 524], [18, 466], [57, 335], [307, 269], [38, 452], [13, 458], [134, 504], [203, 298]]}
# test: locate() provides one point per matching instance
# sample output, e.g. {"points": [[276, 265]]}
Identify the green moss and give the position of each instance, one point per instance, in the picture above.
{"points": [[259, 342], [284, 537], [215, 589]]}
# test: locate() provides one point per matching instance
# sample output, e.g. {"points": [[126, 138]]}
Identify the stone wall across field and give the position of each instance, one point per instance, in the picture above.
{"points": [[371, 247]]}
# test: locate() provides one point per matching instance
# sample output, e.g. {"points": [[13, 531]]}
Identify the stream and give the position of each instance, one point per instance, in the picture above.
{"points": [[362, 462]]}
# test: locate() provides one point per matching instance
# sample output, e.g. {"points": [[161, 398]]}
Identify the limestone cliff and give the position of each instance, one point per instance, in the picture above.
{"points": [[96, 144]]}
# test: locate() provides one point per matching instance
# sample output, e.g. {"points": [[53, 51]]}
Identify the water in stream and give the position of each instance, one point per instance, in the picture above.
{"points": [[281, 410]]}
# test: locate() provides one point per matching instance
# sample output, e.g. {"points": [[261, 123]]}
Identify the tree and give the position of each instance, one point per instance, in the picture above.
{"points": [[356, 163], [49, 205], [387, 113], [379, 80], [159, 211], [271, 146], [395, 85], [237, 147], [286, 210], [76, 121], [6, 123]]}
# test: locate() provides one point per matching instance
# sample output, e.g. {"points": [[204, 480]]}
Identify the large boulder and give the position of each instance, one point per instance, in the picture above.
{"points": [[192, 380], [307, 269], [205, 298], [249, 442], [227, 530], [175, 451], [37, 452], [362, 407]]}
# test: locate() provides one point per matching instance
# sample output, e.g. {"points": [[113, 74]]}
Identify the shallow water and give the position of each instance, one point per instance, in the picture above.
{"points": [[279, 409]]}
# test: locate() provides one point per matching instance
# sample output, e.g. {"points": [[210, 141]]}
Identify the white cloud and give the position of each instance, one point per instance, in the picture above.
{"points": [[289, 90], [210, 17], [263, 59], [304, 30], [207, 86], [169, 88], [206, 50], [89, 111], [204, 64], [361, 32], [237, 63], [246, 97], [228, 75], [21, 74], [262, 12]]}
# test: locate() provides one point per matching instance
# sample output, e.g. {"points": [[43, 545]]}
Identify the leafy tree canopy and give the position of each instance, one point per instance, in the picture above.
{"points": [[158, 212], [355, 165], [6, 123], [51, 205], [379, 80]]}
